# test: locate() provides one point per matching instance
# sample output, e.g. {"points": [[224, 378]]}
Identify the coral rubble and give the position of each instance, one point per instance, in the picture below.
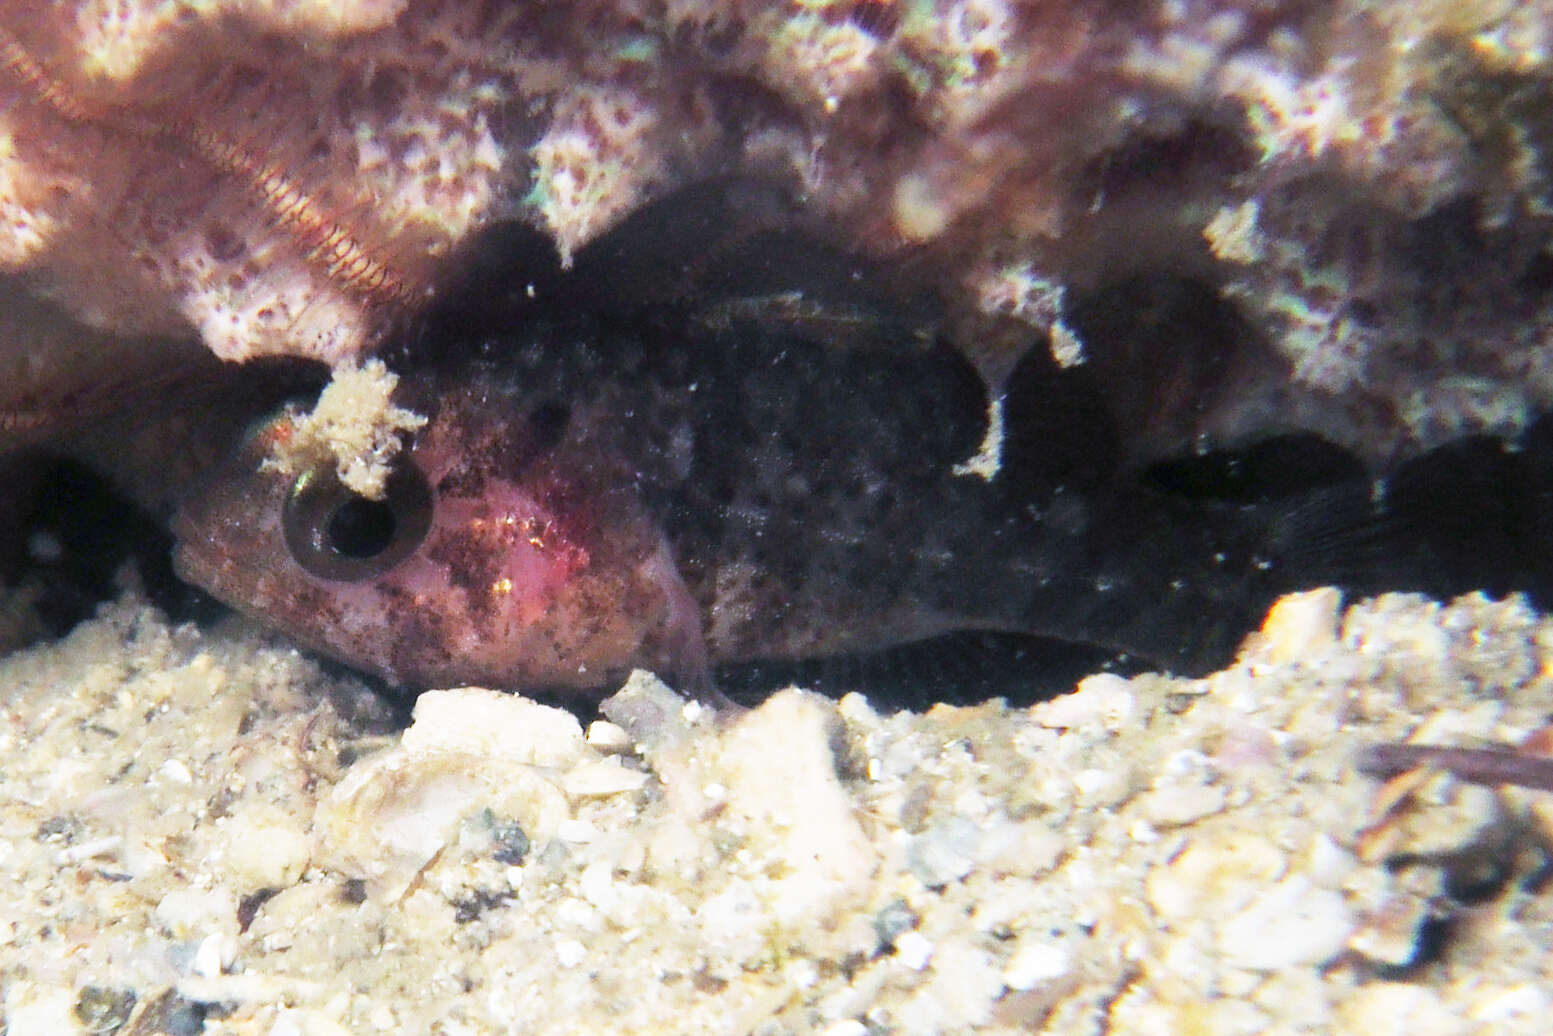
{"points": [[205, 823], [1365, 183]]}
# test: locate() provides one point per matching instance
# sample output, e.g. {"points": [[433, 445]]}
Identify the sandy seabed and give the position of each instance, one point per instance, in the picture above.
{"points": [[202, 832]]}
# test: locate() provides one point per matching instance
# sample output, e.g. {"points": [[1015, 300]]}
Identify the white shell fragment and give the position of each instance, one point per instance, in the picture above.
{"points": [[1289, 925], [490, 723], [468, 751]]}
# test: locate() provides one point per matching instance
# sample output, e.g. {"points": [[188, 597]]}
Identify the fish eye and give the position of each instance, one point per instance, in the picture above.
{"points": [[342, 536]]}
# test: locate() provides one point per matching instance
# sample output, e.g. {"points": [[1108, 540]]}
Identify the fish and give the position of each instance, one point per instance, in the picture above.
{"points": [[592, 494], [715, 441]]}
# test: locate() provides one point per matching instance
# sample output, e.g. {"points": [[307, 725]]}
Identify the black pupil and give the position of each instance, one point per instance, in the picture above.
{"points": [[360, 529]]}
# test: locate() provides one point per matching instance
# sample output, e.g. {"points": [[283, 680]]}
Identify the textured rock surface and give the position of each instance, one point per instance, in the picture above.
{"points": [[1364, 184]]}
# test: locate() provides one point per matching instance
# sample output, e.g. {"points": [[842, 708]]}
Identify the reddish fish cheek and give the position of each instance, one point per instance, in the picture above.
{"points": [[507, 553], [535, 564]]}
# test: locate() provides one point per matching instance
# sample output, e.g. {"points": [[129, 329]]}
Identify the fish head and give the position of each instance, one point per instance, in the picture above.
{"points": [[500, 554]]}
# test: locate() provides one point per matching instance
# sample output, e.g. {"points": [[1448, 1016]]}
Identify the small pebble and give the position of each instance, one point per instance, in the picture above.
{"points": [[1035, 964], [944, 853], [1105, 700], [1288, 925], [1519, 1001], [849, 1027], [893, 921], [1101, 788], [174, 770], [1302, 625], [607, 737], [1177, 805], [569, 953], [913, 950]]}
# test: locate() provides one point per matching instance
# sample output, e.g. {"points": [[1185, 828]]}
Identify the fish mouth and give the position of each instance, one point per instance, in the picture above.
{"points": [[189, 563], [226, 536], [196, 549], [192, 567], [200, 563]]}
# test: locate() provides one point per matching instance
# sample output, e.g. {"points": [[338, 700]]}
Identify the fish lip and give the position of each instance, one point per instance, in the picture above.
{"points": [[199, 560], [201, 569], [181, 526], [185, 566], [187, 538]]}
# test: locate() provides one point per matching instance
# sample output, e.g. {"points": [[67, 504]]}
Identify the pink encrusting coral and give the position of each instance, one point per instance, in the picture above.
{"points": [[250, 173], [1365, 183]]}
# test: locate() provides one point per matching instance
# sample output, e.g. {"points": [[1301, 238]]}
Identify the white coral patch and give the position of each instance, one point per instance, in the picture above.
{"points": [[116, 38], [594, 164]]}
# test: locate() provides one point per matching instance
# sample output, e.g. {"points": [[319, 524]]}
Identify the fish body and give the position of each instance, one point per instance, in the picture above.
{"points": [[590, 495]]}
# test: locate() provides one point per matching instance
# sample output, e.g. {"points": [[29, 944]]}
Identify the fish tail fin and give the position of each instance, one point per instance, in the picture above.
{"points": [[1179, 583], [1472, 516], [1241, 558], [1175, 563], [1479, 513], [1342, 535]]}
